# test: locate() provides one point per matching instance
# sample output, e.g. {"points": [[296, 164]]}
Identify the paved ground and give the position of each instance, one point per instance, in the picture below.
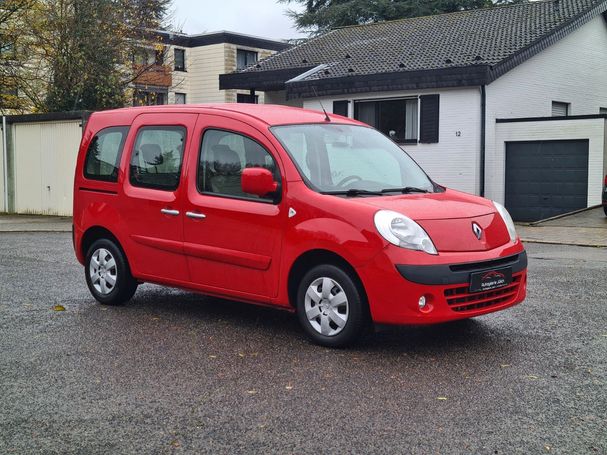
{"points": [[587, 228], [35, 223], [175, 372]]}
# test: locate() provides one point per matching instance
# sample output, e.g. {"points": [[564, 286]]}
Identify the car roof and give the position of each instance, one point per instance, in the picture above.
{"points": [[270, 114]]}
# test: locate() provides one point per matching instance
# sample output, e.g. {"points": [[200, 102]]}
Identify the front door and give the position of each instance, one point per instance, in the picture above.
{"points": [[153, 209], [232, 240]]}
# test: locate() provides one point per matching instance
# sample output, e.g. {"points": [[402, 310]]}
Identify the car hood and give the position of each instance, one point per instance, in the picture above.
{"points": [[449, 218]]}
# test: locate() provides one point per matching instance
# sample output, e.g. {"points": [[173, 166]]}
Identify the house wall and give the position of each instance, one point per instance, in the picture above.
{"points": [[454, 160], [44, 162], [593, 130], [573, 70], [204, 64]]}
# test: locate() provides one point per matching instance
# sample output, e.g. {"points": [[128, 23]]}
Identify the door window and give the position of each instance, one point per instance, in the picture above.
{"points": [[223, 156], [103, 156], [157, 157]]}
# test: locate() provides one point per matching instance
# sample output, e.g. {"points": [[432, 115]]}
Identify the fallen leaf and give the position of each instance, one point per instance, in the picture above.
{"points": [[175, 443], [289, 387], [505, 365], [155, 319], [251, 392], [58, 308], [240, 354], [532, 376], [441, 398], [213, 356]]}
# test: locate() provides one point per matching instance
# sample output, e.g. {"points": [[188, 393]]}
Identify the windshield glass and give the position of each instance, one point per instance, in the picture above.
{"points": [[350, 159]]}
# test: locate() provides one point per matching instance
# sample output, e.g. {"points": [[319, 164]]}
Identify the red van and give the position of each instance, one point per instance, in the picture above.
{"points": [[317, 214]]}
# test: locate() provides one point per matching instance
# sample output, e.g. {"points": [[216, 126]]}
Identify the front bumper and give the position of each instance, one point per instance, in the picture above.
{"points": [[393, 290]]}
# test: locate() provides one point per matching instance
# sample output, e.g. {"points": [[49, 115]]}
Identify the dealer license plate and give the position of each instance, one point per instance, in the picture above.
{"points": [[490, 279]]}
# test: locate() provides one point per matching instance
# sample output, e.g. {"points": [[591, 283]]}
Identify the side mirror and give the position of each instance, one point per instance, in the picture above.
{"points": [[258, 181]]}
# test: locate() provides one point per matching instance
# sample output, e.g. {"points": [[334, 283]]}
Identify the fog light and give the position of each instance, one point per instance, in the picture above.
{"points": [[422, 302]]}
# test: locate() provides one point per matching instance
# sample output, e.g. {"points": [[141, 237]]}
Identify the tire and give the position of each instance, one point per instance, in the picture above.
{"points": [[107, 273], [605, 209], [322, 311]]}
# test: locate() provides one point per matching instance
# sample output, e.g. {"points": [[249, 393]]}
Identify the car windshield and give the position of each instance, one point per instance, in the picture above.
{"points": [[351, 160]]}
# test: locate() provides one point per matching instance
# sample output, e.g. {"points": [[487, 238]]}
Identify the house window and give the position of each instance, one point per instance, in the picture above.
{"points": [[179, 98], [179, 59], [149, 97], [247, 99], [245, 58], [341, 107], [395, 118], [560, 109]]}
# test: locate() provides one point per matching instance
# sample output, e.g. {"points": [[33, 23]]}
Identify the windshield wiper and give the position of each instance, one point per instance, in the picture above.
{"points": [[354, 192], [405, 190]]}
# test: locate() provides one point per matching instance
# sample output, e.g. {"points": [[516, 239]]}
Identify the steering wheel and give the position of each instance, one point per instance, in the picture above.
{"points": [[354, 178]]}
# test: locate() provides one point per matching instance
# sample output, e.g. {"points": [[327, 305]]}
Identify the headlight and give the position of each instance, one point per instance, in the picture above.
{"points": [[507, 219], [403, 231]]}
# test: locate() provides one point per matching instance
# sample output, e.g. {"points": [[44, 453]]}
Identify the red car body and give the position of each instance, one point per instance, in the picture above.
{"points": [[249, 251]]}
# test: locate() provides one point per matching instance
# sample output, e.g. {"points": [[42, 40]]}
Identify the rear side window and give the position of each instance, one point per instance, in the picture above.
{"points": [[104, 153], [157, 156]]}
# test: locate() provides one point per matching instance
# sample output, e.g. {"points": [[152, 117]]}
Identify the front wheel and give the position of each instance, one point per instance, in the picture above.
{"points": [[108, 275], [330, 307]]}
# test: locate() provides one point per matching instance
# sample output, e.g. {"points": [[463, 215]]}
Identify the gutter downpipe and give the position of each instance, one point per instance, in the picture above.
{"points": [[483, 137], [5, 163]]}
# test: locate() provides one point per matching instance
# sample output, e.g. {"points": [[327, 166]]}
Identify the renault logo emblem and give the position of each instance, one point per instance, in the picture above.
{"points": [[478, 231]]}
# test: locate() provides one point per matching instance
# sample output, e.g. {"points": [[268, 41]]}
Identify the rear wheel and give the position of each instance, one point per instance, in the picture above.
{"points": [[108, 275], [330, 307]]}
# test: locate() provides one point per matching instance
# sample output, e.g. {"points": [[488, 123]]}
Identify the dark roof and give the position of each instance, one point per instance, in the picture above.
{"points": [[447, 50], [206, 39]]}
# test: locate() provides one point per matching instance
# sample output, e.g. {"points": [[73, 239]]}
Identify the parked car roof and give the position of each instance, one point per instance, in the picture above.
{"points": [[269, 114]]}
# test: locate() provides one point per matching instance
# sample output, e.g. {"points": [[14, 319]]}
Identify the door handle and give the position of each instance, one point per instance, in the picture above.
{"points": [[170, 212], [196, 216]]}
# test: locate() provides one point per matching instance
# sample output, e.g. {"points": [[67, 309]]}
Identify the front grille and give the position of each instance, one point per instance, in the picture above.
{"points": [[461, 299]]}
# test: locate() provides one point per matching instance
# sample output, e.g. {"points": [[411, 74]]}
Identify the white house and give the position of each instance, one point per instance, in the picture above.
{"points": [[507, 102]]}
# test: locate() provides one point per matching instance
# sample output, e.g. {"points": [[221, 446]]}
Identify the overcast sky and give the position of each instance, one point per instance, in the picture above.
{"points": [[264, 18]]}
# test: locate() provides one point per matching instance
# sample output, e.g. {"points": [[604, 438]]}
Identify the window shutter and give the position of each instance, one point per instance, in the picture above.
{"points": [[341, 108], [429, 115]]}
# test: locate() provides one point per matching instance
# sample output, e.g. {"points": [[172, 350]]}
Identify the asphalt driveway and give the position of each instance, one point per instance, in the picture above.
{"points": [[174, 372]]}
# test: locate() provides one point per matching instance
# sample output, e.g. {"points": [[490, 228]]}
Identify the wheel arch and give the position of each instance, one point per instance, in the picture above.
{"points": [[312, 258], [94, 233]]}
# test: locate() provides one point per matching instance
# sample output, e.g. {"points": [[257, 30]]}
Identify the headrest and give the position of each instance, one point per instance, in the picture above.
{"points": [[151, 154], [225, 160]]}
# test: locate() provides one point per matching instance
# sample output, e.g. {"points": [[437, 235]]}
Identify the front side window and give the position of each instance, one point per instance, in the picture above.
{"points": [[157, 156], [395, 118], [223, 156], [245, 58], [335, 158], [103, 155], [180, 98]]}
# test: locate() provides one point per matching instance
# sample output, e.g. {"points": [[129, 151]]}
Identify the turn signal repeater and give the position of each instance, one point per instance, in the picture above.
{"points": [[424, 304]]}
